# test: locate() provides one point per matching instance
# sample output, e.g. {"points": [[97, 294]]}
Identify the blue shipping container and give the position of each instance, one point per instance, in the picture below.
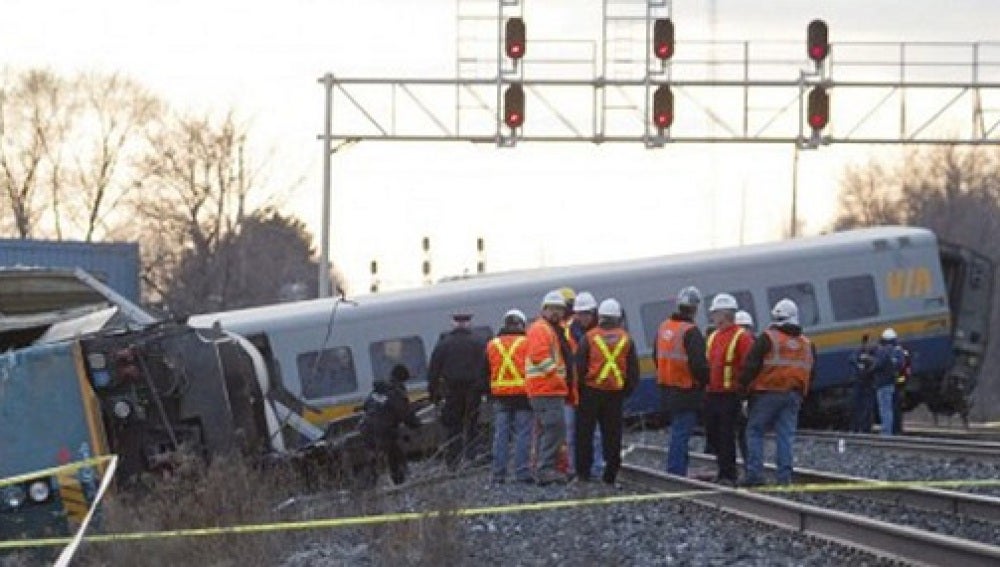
{"points": [[114, 263]]}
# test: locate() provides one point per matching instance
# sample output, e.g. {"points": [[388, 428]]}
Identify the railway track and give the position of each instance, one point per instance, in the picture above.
{"points": [[882, 538], [984, 508], [939, 446]]}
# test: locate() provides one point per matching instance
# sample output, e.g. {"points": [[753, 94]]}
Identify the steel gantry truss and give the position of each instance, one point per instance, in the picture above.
{"points": [[727, 91], [599, 91]]}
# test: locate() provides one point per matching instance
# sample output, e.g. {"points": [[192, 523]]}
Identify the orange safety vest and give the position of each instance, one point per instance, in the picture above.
{"points": [[725, 361], [544, 366], [506, 357], [788, 364], [672, 361], [573, 398], [607, 358]]}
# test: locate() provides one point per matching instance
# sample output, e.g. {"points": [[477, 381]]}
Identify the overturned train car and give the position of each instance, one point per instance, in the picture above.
{"points": [[84, 374]]}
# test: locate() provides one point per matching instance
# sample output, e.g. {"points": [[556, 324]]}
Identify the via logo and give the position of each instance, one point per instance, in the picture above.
{"points": [[908, 282]]}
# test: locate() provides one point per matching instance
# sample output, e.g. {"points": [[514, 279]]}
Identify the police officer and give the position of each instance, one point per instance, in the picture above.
{"points": [[682, 373], [384, 410], [777, 374], [458, 376], [609, 372]]}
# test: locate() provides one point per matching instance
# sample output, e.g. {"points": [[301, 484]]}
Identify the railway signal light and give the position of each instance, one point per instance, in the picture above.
{"points": [[817, 41], [818, 109], [663, 39], [513, 106], [515, 38], [663, 107]]}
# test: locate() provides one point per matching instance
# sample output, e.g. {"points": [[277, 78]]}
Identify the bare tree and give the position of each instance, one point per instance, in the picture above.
{"points": [[35, 115], [114, 114], [869, 196], [193, 194]]}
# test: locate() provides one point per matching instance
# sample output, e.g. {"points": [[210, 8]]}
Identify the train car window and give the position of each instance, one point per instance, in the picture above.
{"points": [[652, 314], [408, 351], [326, 373], [853, 297], [744, 299], [804, 297]]}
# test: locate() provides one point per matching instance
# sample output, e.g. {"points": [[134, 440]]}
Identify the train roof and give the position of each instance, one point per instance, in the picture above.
{"points": [[451, 295]]}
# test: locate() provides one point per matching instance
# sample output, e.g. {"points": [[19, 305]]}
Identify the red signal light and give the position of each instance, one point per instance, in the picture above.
{"points": [[818, 110], [515, 38], [663, 38], [513, 106], [663, 107], [817, 41]]}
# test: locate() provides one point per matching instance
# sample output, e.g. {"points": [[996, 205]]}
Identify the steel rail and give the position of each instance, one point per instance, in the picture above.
{"points": [[964, 448], [977, 506], [882, 538]]}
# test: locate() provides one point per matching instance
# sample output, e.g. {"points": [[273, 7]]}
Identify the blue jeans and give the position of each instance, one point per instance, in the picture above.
{"points": [[885, 407], [780, 410], [511, 424], [569, 414], [681, 424]]}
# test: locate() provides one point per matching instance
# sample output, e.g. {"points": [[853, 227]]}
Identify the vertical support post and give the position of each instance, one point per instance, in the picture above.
{"points": [[324, 260], [793, 229], [746, 89]]}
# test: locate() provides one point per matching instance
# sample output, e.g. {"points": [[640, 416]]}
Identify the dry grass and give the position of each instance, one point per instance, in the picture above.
{"points": [[227, 492], [230, 491]]}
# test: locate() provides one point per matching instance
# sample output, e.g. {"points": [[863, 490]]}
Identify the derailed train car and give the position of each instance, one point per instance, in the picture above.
{"points": [[323, 353], [85, 374]]}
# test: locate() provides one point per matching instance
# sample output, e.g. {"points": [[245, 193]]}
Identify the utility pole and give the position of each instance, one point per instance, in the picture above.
{"points": [[324, 259]]}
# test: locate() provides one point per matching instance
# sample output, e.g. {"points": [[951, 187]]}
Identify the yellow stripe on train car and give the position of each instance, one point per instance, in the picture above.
{"points": [[851, 338]]}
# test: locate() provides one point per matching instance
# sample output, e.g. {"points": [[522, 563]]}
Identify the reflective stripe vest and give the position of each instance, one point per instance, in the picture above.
{"points": [[725, 360], [608, 350], [544, 366], [506, 357], [671, 356], [787, 366]]}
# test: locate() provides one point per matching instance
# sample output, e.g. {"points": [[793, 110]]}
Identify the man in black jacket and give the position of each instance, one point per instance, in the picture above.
{"points": [[384, 410], [458, 375]]}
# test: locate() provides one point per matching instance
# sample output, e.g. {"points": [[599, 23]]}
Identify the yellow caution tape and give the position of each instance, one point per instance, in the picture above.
{"points": [[52, 471], [481, 511]]}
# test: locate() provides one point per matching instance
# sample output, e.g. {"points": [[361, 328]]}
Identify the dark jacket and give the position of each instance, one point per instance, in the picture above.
{"points": [[888, 361], [458, 363], [631, 363], [386, 408], [677, 399], [762, 346]]}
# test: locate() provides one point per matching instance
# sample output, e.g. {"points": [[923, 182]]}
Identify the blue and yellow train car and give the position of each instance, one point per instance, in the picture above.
{"points": [[323, 354]]}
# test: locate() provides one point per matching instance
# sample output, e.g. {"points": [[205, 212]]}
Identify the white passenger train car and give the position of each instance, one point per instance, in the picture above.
{"points": [[322, 355]]}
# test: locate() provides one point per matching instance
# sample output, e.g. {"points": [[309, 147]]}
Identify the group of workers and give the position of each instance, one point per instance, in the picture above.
{"points": [[559, 384], [881, 372]]}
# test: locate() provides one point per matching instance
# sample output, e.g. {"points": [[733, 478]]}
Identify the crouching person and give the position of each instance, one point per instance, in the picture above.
{"points": [[384, 410]]}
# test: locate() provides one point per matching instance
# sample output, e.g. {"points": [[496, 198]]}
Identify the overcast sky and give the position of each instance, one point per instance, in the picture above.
{"points": [[537, 204]]}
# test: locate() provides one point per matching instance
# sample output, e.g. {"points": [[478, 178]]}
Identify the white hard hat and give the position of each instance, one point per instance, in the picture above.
{"points": [[516, 314], [743, 318], [584, 302], [553, 299], [889, 334], [723, 301], [610, 308], [785, 311], [689, 296]]}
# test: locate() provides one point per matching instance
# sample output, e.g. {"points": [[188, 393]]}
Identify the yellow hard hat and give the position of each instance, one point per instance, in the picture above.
{"points": [[567, 293]]}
